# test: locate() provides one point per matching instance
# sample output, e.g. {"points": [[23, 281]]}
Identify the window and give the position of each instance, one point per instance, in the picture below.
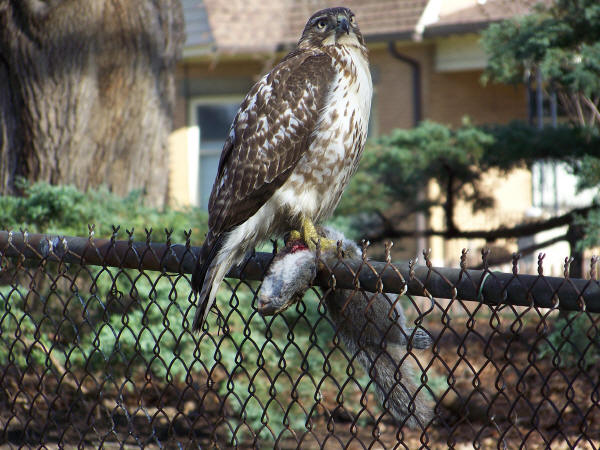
{"points": [[212, 119], [554, 188], [543, 107]]}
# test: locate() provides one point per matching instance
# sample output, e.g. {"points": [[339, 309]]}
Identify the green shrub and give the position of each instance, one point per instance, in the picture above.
{"points": [[64, 210]]}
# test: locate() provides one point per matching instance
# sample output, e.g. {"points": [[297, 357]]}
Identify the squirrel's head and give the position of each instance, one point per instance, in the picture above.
{"points": [[289, 276]]}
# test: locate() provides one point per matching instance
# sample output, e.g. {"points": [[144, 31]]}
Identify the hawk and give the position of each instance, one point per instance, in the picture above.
{"points": [[292, 147]]}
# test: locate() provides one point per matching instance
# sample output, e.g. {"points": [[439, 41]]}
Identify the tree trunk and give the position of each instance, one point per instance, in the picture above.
{"points": [[87, 92]]}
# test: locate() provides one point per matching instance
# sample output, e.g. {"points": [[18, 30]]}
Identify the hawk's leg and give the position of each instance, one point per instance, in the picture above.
{"points": [[308, 233]]}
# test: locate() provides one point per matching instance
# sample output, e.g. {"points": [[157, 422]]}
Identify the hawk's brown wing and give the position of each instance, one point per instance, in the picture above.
{"points": [[271, 131]]}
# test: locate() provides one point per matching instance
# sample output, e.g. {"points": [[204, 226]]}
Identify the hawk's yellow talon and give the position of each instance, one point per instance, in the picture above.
{"points": [[295, 235], [308, 233]]}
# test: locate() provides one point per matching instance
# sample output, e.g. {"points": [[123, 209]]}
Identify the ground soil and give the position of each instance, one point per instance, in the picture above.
{"points": [[500, 394]]}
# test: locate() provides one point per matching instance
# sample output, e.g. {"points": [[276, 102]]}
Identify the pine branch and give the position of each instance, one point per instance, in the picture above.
{"points": [[521, 230], [523, 252]]}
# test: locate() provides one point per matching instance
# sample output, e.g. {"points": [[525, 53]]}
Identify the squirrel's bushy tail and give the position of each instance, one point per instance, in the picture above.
{"points": [[379, 341]]}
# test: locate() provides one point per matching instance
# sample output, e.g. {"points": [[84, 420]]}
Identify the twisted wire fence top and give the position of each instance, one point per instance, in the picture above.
{"points": [[484, 286], [97, 349]]}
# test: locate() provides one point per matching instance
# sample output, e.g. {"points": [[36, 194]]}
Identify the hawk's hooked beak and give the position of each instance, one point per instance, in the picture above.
{"points": [[342, 25]]}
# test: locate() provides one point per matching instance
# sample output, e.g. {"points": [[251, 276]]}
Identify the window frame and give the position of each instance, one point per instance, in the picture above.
{"points": [[194, 150]]}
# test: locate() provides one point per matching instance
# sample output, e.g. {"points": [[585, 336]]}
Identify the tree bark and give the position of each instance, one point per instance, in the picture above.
{"points": [[87, 92]]}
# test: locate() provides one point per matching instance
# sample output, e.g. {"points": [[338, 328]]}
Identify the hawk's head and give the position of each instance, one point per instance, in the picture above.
{"points": [[330, 27]]}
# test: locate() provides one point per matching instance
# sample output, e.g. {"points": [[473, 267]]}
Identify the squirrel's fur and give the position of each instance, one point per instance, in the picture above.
{"points": [[372, 326]]}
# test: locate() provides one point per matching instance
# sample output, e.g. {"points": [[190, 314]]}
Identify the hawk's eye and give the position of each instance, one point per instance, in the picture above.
{"points": [[322, 24], [353, 20]]}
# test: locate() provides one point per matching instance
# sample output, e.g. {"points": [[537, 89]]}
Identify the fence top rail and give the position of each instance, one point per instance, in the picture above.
{"points": [[485, 286]]}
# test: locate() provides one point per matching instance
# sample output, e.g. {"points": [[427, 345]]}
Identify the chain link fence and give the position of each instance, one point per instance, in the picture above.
{"points": [[96, 351]]}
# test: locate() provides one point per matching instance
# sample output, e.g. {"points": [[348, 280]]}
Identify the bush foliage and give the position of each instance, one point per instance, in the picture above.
{"points": [[45, 208]]}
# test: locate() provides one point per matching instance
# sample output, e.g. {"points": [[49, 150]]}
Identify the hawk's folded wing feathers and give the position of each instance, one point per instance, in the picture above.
{"points": [[273, 128]]}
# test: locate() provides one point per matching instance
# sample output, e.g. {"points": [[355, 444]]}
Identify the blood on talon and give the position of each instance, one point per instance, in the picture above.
{"points": [[298, 247]]}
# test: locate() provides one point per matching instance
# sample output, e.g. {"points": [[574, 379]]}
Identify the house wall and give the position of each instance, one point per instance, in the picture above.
{"points": [[393, 89], [446, 96], [512, 198], [453, 95]]}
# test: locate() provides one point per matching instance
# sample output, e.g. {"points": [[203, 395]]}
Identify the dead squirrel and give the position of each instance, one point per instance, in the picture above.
{"points": [[371, 326]]}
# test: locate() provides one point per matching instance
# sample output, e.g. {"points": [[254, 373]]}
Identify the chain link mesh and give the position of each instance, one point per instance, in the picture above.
{"points": [[96, 350]]}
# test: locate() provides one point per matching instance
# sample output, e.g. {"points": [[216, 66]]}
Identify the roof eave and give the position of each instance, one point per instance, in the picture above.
{"points": [[408, 35], [196, 51], [442, 30]]}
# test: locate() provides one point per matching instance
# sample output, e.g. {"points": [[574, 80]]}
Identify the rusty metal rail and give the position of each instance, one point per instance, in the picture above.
{"points": [[485, 286]]}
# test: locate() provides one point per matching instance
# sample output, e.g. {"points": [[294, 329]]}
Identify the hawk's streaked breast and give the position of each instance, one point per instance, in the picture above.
{"points": [[317, 183]]}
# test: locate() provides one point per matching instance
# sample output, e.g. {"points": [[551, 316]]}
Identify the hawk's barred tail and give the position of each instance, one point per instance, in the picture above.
{"points": [[204, 276]]}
